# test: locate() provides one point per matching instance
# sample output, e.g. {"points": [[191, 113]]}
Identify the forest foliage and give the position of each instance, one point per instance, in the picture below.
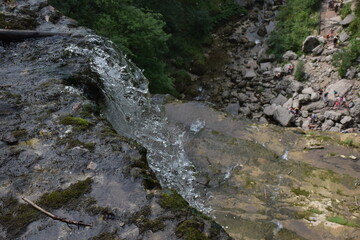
{"points": [[348, 56], [295, 21], [160, 36]]}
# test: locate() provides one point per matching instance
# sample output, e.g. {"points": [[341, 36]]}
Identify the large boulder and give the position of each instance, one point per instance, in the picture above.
{"points": [[355, 110], [310, 43], [332, 115], [269, 110], [283, 116], [295, 86], [342, 87], [347, 20], [347, 121], [318, 50], [279, 100], [344, 36], [290, 55]]}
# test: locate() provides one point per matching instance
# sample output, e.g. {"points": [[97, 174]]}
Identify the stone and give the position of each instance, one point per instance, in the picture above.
{"points": [[243, 97], [314, 106], [269, 110], [262, 31], [288, 103], [249, 74], [308, 90], [290, 55], [346, 121], [295, 86], [335, 129], [304, 114], [327, 125], [266, 66], [318, 50], [355, 110], [332, 115], [279, 100], [282, 116], [351, 72], [342, 87], [315, 96], [310, 43], [347, 20], [296, 103], [233, 108], [245, 111], [344, 36], [304, 98]]}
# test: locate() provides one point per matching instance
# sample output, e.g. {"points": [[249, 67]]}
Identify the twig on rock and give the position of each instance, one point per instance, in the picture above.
{"points": [[55, 217]]}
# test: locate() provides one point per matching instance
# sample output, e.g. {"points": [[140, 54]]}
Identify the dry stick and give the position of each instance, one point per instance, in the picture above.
{"points": [[55, 217]]}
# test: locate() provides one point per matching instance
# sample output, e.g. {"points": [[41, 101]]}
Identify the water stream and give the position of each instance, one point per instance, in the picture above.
{"points": [[131, 111]]}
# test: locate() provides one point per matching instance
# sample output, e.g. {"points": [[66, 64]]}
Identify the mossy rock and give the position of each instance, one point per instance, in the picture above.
{"points": [[191, 230], [78, 123], [173, 201], [15, 216]]}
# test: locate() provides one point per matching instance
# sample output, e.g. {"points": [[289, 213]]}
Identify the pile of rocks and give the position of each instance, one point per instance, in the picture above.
{"points": [[247, 86]]}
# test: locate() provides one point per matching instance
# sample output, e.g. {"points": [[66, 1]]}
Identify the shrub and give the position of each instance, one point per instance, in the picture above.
{"points": [[295, 21], [299, 74], [346, 10]]}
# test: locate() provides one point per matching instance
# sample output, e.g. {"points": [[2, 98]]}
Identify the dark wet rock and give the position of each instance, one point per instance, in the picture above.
{"points": [[310, 43], [9, 138], [347, 20], [262, 31], [289, 55]]}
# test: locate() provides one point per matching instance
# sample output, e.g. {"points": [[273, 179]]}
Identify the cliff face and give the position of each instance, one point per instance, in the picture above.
{"points": [[57, 149]]}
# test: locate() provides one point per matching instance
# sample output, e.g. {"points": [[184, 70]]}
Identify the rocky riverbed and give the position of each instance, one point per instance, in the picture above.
{"points": [[241, 75]]}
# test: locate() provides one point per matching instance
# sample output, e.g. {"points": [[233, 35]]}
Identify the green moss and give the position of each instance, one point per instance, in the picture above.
{"points": [[348, 142], [342, 221], [285, 234], [300, 192], [106, 236], [316, 211], [215, 132], [171, 200], [153, 225], [15, 216], [329, 175], [190, 230], [19, 133], [78, 123], [71, 143], [17, 22], [303, 215], [345, 10], [64, 197]]}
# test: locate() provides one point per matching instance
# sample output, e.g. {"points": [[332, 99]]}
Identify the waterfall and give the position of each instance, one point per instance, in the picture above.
{"points": [[129, 109]]}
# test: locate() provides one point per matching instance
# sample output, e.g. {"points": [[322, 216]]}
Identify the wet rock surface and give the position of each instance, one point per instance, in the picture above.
{"points": [[58, 150], [268, 182]]}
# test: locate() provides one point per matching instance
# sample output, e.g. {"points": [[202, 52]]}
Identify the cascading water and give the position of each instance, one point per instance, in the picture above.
{"points": [[132, 113]]}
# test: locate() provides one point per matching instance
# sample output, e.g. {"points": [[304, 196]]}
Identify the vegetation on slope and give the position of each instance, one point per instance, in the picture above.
{"points": [[160, 36], [295, 21], [347, 57]]}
